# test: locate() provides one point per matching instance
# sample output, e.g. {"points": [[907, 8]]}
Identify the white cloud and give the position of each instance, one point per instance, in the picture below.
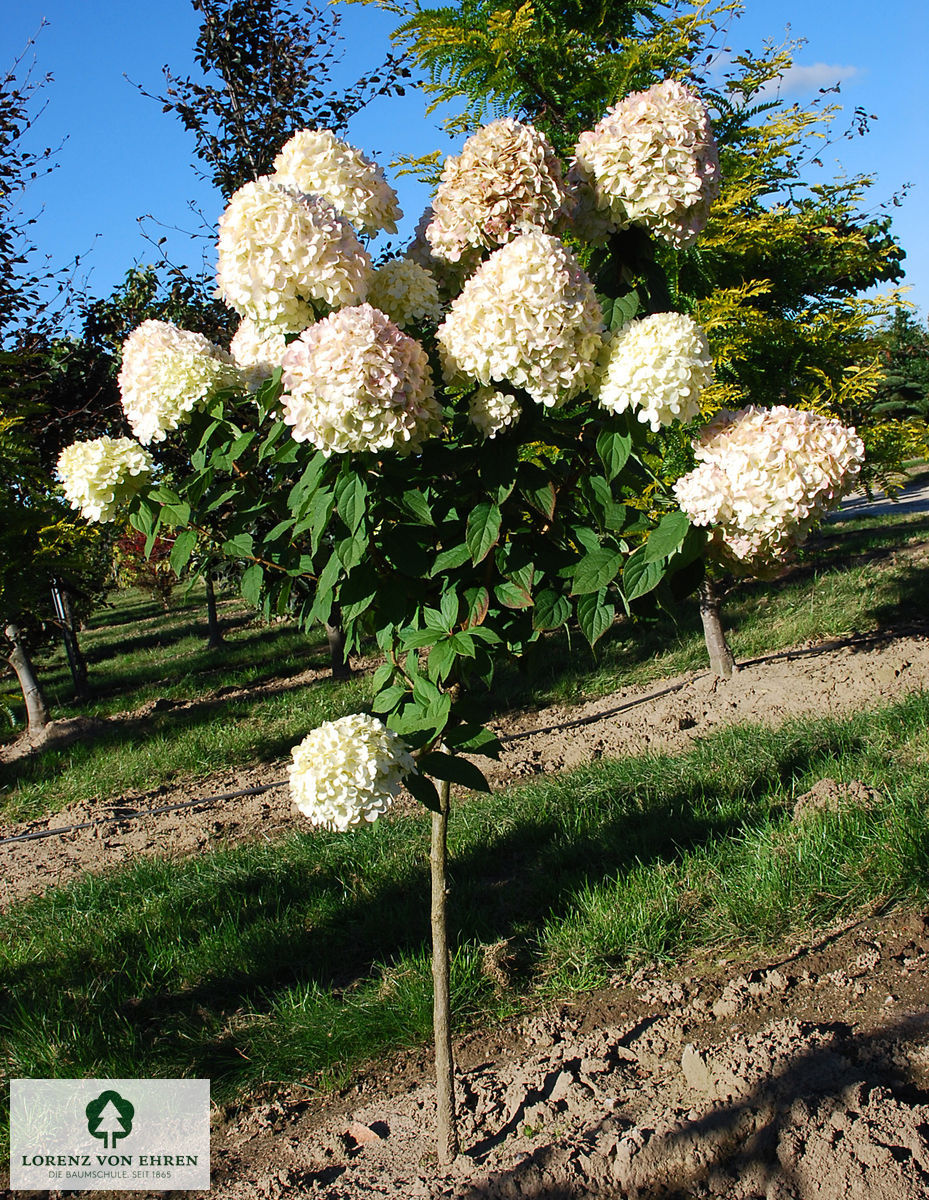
{"points": [[798, 80]]}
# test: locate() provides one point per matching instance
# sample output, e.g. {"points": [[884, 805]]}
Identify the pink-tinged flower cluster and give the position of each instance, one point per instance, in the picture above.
{"points": [[507, 180], [529, 317], [652, 161], [257, 352], [406, 292], [354, 382], [166, 373], [491, 411], [348, 772], [765, 477], [100, 475], [657, 366], [315, 162], [280, 250]]}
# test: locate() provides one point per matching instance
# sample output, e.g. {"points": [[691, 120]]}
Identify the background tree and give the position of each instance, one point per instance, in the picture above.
{"points": [[267, 71]]}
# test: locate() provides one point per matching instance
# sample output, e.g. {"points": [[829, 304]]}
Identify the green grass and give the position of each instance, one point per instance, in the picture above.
{"points": [[298, 960]]}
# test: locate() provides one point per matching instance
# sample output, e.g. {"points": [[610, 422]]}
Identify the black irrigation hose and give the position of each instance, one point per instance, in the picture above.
{"points": [[148, 812]]}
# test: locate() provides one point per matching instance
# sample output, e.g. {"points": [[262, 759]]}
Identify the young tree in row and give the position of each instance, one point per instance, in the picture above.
{"points": [[459, 522]]}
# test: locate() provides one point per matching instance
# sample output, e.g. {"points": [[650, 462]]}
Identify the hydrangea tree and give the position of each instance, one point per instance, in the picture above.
{"points": [[456, 489]]}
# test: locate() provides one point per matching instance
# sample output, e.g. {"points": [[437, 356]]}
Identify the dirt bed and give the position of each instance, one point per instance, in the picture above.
{"points": [[798, 1077], [832, 678]]}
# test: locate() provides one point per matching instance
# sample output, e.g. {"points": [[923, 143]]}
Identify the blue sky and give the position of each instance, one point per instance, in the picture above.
{"points": [[124, 158]]}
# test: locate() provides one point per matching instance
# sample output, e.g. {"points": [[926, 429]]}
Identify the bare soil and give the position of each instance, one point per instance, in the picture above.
{"points": [[792, 1076]]}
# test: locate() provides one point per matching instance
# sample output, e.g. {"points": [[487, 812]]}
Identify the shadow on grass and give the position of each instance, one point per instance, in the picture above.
{"points": [[146, 969]]}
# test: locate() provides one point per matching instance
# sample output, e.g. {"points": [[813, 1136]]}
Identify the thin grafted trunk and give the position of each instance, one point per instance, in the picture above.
{"points": [[446, 1122], [36, 706], [721, 657]]}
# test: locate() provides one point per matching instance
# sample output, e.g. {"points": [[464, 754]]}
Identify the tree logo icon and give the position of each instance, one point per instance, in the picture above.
{"points": [[109, 1117]]}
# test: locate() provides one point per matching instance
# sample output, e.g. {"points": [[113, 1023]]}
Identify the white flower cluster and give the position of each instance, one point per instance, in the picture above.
{"points": [[354, 382], [657, 366], [280, 250], [315, 162], [652, 161], [449, 276], [166, 372], [528, 316], [507, 180], [492, 411], [347, 772], [98, 476], [406, 292], [765, 477], [257, 352]]}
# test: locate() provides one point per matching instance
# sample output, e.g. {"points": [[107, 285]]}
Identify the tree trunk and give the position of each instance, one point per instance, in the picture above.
{"points": [[214, 639], [36, 706], [61, 600], [721, 657], [446, 1125], [336, 638]]}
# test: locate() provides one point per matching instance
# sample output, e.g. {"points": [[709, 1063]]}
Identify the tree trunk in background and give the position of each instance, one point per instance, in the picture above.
{"points": [[36, 706], [721, 657], [61, 598], [446, 1122], [214, 638], [336, 637]]}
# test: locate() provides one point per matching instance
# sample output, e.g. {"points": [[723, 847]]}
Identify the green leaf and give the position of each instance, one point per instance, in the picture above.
{"points": [[382, 676], [418, 639], [351, 492], [483, 530], [542, 498], [417, 506], [388, 699], [240, 445], [250, 584], [640, 575], [453, 769], [447, 560], [240, 546], [667, 537], [351, 551], [614, 448], [305, 487], [182, 549], [422, 788], [624, 309], [594, 616], [449, 607], [475, 739], [551, 610], [595, 571], [511, 595], [441, 659]]}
